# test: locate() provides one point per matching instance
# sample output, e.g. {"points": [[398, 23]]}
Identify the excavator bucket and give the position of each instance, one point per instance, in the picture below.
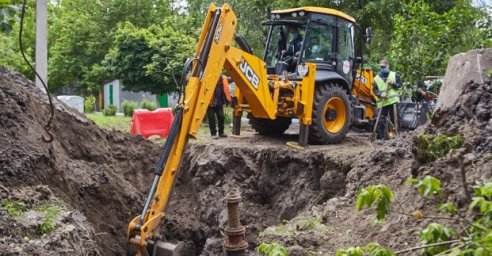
{"points": [[159, 248], [168, 249]]}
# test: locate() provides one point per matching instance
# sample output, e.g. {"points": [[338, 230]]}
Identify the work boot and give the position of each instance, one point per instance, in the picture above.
{"points": [[222, 135]]}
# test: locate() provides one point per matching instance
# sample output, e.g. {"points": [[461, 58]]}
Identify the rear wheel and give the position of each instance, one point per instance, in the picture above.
{"points": [[331, 115], [270, 127]]}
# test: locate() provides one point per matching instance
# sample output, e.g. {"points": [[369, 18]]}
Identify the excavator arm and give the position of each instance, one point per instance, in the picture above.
{"points": [[213, 53]]}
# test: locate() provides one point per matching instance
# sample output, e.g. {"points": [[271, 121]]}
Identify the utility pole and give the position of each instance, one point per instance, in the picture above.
{"points": [[42, 42]]}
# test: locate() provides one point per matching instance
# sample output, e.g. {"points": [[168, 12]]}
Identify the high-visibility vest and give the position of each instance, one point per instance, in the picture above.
{"points": [[392, 95]]}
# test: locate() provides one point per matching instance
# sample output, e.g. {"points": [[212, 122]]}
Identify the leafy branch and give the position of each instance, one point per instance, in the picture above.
{"points": [[381, 195]]}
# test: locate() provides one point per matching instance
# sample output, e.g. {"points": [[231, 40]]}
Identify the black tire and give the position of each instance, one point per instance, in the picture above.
{"points": [[318, 132], [270, 127]]}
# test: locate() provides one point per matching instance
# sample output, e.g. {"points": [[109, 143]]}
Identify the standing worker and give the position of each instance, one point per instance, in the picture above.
{"points": [[216, 108], [385, 87]]}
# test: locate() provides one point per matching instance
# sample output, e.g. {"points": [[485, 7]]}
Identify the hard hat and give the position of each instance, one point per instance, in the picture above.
{"points": [[384, 63]]}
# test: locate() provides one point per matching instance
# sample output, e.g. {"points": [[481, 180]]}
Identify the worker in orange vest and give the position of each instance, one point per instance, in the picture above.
{"points": [[220, 98]]}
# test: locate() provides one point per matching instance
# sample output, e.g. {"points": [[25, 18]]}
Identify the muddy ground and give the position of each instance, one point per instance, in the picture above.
{"points": [[302, 198]]}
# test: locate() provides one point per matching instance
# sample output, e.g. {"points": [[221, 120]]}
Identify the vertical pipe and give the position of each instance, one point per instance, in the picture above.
{"points": [[235, 243], [41, 42]]}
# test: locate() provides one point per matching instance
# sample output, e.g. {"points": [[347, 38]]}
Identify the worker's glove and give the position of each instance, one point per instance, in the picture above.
{"points": [[390, 82], [383, 95]]}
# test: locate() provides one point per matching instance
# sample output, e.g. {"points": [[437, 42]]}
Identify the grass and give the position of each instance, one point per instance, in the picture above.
{"points": [[51, 212], [14, 208], [121, 123], [300, 223]]}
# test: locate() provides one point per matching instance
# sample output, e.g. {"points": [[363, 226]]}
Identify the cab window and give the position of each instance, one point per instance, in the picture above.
{"points": [[319, 43]]}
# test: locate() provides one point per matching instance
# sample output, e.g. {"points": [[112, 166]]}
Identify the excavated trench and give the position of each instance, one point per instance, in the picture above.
{"points": [[276, 183], [98, 180]]}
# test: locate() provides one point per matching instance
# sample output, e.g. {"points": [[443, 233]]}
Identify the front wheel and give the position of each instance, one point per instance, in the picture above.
{"points": [[331, 115]]}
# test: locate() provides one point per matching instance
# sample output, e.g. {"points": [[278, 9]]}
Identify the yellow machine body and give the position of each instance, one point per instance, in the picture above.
{"points": [[256, 92]]}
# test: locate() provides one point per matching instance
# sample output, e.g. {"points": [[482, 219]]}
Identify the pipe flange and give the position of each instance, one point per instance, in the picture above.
{"points": [[235, 231], [233, 197], [242, 246]]}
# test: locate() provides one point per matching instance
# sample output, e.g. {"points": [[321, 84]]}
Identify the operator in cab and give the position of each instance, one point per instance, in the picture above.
{"points": [[294, 47], [293, 50], [385, 87]]}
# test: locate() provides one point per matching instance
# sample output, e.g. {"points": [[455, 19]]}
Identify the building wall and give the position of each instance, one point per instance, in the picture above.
{"points": [[119, 95], [116, 93]]}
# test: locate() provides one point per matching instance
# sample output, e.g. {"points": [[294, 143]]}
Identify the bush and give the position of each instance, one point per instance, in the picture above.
{"points": [[434, 147], [89, 102], [128, 107], [110, 110], [147, 104]]}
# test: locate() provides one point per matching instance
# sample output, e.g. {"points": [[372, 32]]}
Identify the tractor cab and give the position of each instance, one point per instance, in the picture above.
{"points": [[311, 35]]}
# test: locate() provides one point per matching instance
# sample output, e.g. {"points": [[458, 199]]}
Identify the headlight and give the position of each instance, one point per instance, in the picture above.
{"points": [[301, 14], [294, 14], [302, 69]]}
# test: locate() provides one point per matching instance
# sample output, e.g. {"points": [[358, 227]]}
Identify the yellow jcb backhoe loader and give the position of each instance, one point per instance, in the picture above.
{"points": [[318, 83]]}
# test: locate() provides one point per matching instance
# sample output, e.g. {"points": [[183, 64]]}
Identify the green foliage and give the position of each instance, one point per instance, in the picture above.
{"points": [[89, 102], [476, 241], [435, 233], [483, 199], [434, 147], [50, 212], [382, 195], [428, 186], [11, 57], [313, 223], [110, 110], [371, 249], [128, 107], [147, 104], [424, 39], [480, 238], [82, 32], [8, 16], [228, 115], [272, 249], [449, 208], [374, 249], [151, 59], [351, 251], [14, 208]]}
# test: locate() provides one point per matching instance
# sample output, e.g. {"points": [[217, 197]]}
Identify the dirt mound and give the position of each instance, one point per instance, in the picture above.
{"points": [[100, 174]]}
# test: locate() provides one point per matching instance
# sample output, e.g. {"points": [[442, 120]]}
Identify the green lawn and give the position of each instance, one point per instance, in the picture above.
{"points": [[121, 123]]}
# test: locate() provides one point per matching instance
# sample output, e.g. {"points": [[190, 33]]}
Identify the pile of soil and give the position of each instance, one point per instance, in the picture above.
{"points": [[300, 198], [95, 175]]}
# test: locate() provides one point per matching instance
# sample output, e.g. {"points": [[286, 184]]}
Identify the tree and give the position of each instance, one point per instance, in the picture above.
{"points": [[150, 59], [9, 32], [423, 40], [83, 32]]}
